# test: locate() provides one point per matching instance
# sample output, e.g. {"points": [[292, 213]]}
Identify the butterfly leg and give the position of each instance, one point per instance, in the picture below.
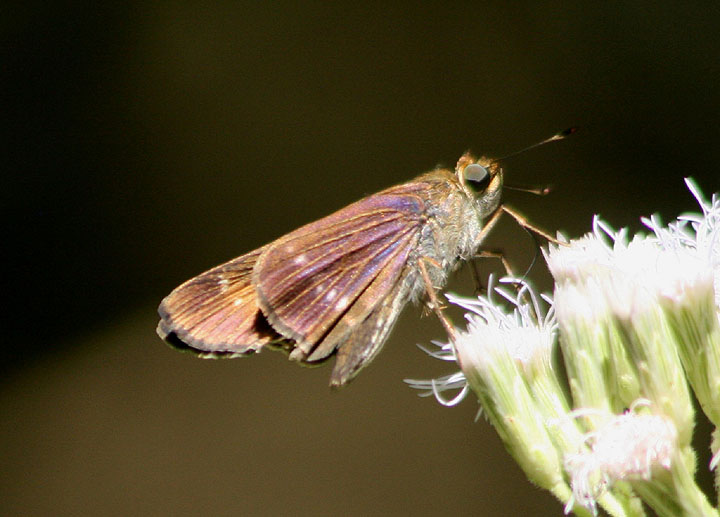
{"points": [[501, 257], [496, 254], [524, 223], [490, 224], [486, 229], [432, 295]]}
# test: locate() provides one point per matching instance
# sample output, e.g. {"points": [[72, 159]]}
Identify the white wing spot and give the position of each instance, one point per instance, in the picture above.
{"points": [[223, 281], [332, 293], [237, 302], [300, 259], [342, 302]]}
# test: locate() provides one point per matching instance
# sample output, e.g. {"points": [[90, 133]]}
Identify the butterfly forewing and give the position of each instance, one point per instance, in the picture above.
{"points": [[378, 292], [309, 280]]}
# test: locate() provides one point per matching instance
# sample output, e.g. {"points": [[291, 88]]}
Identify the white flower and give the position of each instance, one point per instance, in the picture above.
{"points": [[527, 332], [696, 237], [638, 320], [626, 447]]}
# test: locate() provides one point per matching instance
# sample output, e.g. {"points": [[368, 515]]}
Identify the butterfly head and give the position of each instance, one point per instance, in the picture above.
{"points": [[481, 179]]}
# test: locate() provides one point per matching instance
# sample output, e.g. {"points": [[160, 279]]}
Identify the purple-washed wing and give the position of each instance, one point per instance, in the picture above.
{"points": [[216, 312], [385, 290], [319, 281]]}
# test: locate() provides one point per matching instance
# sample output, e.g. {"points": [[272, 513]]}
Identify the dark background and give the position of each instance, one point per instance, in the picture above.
{"points": [[146, 142]]}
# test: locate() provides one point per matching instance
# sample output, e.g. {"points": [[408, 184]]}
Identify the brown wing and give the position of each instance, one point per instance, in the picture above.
{"points": [[317, 283], [216, 312], [368, 337]]}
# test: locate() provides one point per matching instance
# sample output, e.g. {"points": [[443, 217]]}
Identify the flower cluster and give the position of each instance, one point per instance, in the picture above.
{"points": [[636, 323]]}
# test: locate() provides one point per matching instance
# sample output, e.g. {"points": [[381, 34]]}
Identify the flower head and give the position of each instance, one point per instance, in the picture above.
{"points": [[625, 447], [636, 319]]}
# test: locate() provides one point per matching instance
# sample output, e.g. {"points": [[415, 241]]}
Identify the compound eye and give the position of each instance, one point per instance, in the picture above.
{"points": [[476, 177]]}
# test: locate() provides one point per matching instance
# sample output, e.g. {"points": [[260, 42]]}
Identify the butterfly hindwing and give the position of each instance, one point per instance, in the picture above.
{"points": [[217, 312], [367, 338]]}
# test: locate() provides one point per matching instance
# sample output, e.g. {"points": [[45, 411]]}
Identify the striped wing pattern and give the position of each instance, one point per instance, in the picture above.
{"points": [[317, 283], [337, 283], [217, 312]]}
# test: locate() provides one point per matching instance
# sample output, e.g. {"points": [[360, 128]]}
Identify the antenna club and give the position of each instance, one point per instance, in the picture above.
{"points": [[567, 132]]}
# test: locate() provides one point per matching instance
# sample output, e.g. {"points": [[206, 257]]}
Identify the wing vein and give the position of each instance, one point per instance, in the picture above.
{"points": [[396, 245], [308, 265]]}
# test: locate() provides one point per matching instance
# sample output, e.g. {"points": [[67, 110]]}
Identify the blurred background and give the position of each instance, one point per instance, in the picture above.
{"points": [[149, 141]]}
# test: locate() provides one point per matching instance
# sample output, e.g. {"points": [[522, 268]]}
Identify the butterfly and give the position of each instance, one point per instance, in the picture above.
{"points": [[335, 287]]}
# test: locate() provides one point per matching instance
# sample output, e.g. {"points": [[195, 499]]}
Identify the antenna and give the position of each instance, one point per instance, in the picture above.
{"points": [[557, 136]]}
